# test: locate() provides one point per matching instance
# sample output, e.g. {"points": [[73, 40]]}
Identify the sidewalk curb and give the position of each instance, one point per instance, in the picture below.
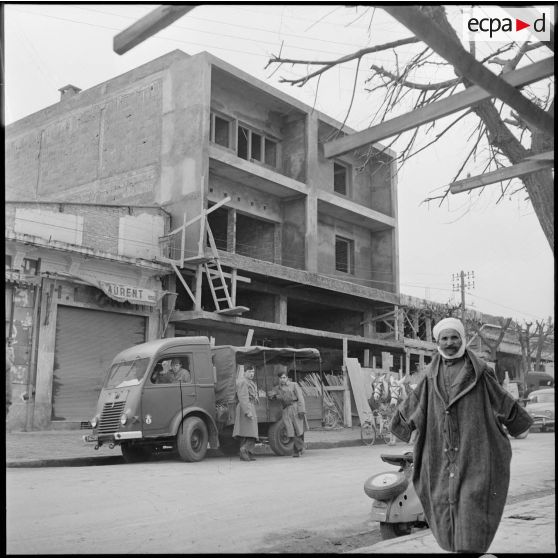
{"points": [[118, 459]]}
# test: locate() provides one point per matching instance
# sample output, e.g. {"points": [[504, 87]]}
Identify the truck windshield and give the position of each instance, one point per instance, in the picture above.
{"points": [[128, 373]]}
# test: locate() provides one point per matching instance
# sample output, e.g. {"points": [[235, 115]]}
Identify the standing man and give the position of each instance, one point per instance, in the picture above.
{"points": [[461, 452], [10, 359], [294, 410], [246, 420]]}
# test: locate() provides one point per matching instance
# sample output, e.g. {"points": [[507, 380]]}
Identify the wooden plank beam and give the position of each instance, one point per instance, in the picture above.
{"points": [[424, 115], [506, 173], [546, 156], [147, 26], [469, 67]]}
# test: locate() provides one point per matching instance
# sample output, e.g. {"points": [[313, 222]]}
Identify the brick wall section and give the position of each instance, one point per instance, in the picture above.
{"points": [[106, 152], [100, 228]]}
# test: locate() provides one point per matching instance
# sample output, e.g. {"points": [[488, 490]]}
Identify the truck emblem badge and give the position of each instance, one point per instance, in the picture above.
{"points": [[147, 419]]}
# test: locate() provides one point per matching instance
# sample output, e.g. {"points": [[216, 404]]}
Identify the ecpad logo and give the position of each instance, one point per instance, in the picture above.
{"points": [[497, 24]]}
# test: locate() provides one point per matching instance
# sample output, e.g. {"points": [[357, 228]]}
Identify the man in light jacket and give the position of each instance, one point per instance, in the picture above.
{"points": [[294, 410]]}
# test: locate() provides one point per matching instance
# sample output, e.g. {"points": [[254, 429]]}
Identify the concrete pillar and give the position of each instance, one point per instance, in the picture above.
{"points": [[415, 320], [277, 244], [45, 357], [347, 411], [231, 231], [368, 327], [312, 200], [429, 329], [281, 309]]}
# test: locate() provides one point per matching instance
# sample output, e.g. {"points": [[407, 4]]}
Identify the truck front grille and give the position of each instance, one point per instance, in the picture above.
{"points": [[110, 417]]}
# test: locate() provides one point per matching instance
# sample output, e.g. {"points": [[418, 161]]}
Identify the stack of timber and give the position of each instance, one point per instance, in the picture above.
{"points": [[333, 405]]}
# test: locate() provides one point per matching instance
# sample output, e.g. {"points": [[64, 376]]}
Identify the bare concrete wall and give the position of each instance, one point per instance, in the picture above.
{"points": [[382, 260], [328, 229], [262, 306], [294, 233], [325, 319], [234, 98], [102, 152], [245, 199], [294, 148], [255, 238], [369, 186]]}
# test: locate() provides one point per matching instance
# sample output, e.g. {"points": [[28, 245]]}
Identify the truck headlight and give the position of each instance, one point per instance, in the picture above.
{"points": [[123, 419], [94, 421]]}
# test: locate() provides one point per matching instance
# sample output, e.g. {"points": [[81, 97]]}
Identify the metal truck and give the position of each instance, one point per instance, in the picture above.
{"points": [[178, 394]]}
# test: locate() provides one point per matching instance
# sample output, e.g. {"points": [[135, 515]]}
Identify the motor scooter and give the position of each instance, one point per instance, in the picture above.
{"points": [[395, 502]]}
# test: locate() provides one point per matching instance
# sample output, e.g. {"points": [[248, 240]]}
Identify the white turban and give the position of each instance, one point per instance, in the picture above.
{"points": [[449, 323], [456, 325]]}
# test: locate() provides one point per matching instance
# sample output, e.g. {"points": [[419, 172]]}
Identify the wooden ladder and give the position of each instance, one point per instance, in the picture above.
{"points": [[216, 279]]}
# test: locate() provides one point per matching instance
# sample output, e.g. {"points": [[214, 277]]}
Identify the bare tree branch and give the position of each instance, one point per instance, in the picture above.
{"points": [[328, 64]]}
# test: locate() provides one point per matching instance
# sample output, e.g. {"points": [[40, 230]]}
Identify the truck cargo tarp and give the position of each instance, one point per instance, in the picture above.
{"points": [[226, 358]]}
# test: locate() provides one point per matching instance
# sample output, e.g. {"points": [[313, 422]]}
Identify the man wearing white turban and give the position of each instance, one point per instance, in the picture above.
{"points": [[461, 452]]}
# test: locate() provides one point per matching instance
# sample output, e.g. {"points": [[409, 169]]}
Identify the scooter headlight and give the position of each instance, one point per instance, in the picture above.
{"points": [[94, 421], [123, 419]]}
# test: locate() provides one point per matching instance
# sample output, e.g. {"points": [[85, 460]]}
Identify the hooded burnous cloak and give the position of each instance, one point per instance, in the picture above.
{"points": [[461, 453]]}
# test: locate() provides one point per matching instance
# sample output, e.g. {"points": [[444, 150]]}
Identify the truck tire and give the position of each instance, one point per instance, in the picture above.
{"points": [[229, 445], [191, 439], [279, 442], [134, 453], [385, 486]]}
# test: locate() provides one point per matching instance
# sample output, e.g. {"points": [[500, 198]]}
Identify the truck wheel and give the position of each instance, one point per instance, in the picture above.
{"points": [[191, 439], [279, 442], [393, 530], [134, 453], [229, 445], [385, 486]]}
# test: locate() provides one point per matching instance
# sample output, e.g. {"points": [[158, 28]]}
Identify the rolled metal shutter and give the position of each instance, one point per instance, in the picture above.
{"points": [[86, 342]]}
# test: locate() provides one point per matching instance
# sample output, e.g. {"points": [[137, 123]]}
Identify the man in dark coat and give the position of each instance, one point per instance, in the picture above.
{"points": [[9, 365], [462, 453], [246, 420]]}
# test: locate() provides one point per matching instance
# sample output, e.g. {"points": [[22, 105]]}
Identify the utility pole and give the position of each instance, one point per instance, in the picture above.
{"points": [[462, 281]]}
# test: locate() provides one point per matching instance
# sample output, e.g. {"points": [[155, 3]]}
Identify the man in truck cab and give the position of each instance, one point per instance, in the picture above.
{"points": [[173, 373]]}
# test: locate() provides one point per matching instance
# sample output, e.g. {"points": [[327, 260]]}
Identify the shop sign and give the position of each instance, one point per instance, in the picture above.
{"points": [[131, 293]]}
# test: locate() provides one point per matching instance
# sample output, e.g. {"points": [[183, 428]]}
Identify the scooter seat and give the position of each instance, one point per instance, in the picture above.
{"points": [[399, 460]]}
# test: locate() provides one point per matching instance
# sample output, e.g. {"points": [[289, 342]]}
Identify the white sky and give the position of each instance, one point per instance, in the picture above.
{"points": [[48, 46]]}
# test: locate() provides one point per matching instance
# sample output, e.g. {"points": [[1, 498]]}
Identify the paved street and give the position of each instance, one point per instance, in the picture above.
{"points": [[312, 504]]}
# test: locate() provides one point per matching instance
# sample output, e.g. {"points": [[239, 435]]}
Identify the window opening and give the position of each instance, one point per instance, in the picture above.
{"points": [[242, 146], [252, 145], [222, 132], [172, 371], [343, 255], [270, 152], [340, 178], [256, 147]]}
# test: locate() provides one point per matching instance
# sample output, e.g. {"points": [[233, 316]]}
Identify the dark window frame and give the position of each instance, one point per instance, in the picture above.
{"points": [[213, 130], [344, 264], [343, 189]]}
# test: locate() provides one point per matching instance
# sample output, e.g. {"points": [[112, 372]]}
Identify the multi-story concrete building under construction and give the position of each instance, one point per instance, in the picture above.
{"points": [[246, 231]]}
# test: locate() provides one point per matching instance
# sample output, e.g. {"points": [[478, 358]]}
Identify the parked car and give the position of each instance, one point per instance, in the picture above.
{"points": [[540, 405], [535, 381]]}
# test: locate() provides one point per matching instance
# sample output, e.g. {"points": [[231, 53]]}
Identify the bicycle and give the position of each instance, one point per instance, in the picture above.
{"points": [[376, 424]]}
